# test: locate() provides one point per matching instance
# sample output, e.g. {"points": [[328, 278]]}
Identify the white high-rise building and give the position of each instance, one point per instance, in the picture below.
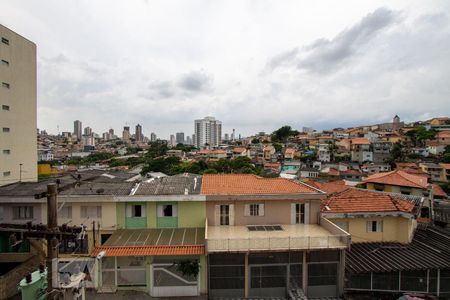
{"points": [[208, 132], [153, 137], [18, 141]]}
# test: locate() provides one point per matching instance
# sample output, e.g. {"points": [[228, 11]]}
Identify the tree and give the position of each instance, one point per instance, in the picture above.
{"points": [[157, 149], [420, 135], [396, 154], [277, 147], [283, 133], [446, 158], [255, 141], [210, 171]]}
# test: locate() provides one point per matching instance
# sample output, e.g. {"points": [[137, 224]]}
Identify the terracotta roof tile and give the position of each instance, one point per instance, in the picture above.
{"points": [[247, 184], [398, 178], [333, 186], [150, 250], [438, 191], [354, 200], [360, 141]]}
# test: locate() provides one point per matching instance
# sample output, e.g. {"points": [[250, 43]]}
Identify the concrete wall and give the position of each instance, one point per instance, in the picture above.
{"points": [[398, 229], [275, 212], [21, 141]]}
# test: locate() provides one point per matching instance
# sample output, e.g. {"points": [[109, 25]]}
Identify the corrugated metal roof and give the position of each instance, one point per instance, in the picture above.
{"points": [[430, 249], [171, 185], [150, 250], [157, 237]]}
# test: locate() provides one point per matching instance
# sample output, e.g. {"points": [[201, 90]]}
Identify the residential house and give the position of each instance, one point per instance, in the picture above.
{"points": [[160, 234], [445, 173], [240, 151], [397, 181], [381, 151], [215, 154], [434, 171], [306, 172], [443, 137], [361, 150], [372, 216], [375, 168], [289, 153], [268, 153], [435, 148], [324, 154], [265, 238], [351, 175]]}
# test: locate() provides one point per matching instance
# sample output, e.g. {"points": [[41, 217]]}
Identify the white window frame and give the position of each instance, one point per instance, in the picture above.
{"points": [[374, 226], [254, 210], [160, 211]]}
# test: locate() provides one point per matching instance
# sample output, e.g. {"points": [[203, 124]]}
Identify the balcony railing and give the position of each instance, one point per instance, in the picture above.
{"points": [[325, 236], [274, 243]]}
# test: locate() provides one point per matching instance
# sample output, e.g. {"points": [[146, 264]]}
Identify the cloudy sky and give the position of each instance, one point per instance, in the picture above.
{"points": [[254, 65]]}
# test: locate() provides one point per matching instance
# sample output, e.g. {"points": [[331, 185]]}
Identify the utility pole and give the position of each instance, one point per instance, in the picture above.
{"points": [[20, 172], [52, 241]]}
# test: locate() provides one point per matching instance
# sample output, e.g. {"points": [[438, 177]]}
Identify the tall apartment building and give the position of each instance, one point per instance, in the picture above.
{"points": [[139, 136], [77, 129], [153, 137], [208, 132], [180, 137], [126, 133], [18, 146], [88, 131]]}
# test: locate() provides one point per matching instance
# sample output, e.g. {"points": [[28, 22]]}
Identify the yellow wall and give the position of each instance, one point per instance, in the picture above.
{"points": [[394, 229], [21, 116], [46, 169], [395, 189]]}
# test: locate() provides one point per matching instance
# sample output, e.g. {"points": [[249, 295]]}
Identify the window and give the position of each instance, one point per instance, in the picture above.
{"points": [[255, 210], [22, 212], [224, 215], [299, 213], [1, 212], [167, 210], [5, 63], [6, 129], [6, 151], [7, 173], [65, 212], [137, 211], [5, 107], [5, 41], [91, 211], [5, 85], [378, 187], [374, 226]]}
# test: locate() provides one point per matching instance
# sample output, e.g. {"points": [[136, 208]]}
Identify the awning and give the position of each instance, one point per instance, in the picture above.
{"points": [[154, 242]]}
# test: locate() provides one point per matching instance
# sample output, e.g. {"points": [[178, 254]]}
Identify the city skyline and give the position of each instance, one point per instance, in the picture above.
{"points": [[294, 63]]}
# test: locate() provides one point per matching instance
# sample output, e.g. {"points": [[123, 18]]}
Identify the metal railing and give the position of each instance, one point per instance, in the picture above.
{"points": [[278, 243]]}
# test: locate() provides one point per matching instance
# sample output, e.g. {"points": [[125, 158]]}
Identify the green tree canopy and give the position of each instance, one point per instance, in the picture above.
{"points": [[283, 133]]}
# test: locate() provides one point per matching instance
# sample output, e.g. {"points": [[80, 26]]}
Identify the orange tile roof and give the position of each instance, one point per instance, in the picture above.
{"points": [[398, 178], [333, 172], [248, 184], [360, 141], [438, 191], [445, 166], [354, 200], [150, 250], [290, 150], [239, 149], [332, 187]]}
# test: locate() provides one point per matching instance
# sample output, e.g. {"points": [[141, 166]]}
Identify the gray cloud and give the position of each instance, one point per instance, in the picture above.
{"points": [[195, 81], [325, 55]]}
